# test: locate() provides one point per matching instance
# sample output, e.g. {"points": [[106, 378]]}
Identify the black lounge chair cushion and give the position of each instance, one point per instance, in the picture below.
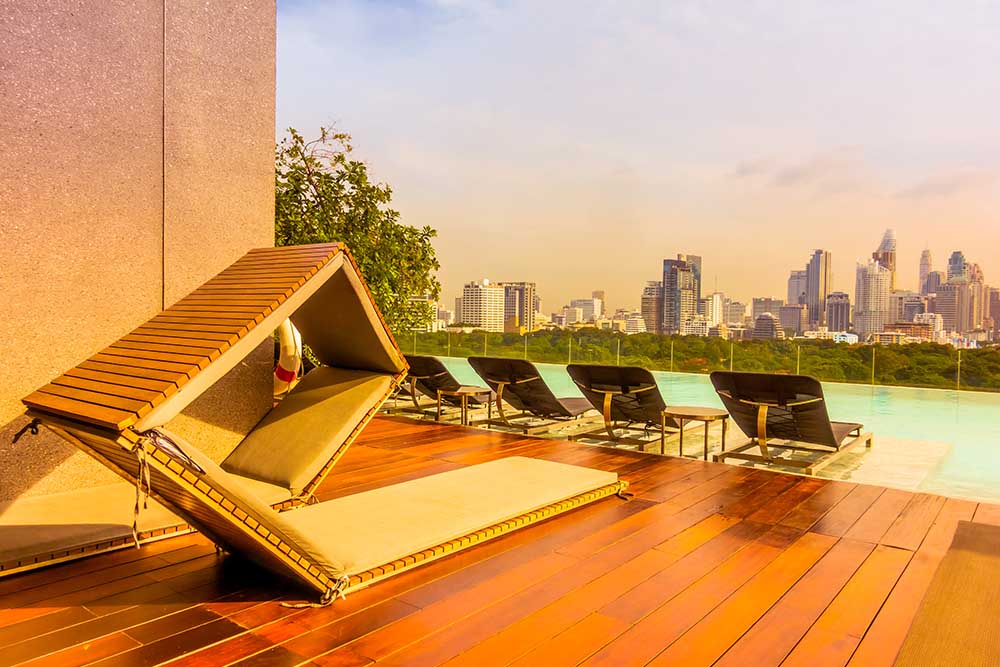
{"points": [[796, 412], [430, 375], [637, 398], [525, 389]]}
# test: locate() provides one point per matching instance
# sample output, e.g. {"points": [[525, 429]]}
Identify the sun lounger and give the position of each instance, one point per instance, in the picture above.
{"points": [[153, 372], [336, 546], [518, 382], [625, 396], [431, 378], [789, 408]]}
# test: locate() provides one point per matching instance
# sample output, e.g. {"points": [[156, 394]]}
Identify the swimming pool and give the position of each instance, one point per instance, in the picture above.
{"points": [[933, 440]]}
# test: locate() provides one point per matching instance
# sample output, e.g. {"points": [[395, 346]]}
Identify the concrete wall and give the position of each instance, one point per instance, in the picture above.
{"points": [[136, 161]]}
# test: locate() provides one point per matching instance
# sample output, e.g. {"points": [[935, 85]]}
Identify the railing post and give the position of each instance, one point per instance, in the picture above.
{"points": [[486, 337], [448, 334], [874, 346], [958, 372], [570, 350], [526, 347], [618, 353], [671, 355], [798, 360], [414, 341], [732, 354]]}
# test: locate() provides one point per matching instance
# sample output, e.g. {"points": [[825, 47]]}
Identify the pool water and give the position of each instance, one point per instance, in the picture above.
{"points": [[933, 440]]}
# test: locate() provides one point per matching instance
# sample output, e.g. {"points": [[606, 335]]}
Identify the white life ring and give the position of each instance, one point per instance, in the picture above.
{"points": [[286, 372]]}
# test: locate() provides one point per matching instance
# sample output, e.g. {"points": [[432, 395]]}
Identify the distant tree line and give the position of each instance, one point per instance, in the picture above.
{"points": [[915, 365]]}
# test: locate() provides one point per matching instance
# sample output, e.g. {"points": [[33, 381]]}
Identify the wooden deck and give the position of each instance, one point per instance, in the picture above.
{"points": [[709, 564]]}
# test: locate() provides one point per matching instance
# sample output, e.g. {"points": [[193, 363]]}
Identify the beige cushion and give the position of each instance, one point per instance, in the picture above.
{"points": [[293, 442], [236, 491], [373, 528], [38, 525]]}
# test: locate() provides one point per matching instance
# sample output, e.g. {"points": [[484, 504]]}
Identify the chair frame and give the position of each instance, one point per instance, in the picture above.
{"points": [[765, 445]]}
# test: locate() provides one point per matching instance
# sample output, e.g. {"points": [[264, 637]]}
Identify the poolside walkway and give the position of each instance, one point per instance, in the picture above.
{"points": [[709, 564]]}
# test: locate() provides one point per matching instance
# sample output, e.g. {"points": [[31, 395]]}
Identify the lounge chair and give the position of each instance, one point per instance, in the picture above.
{"points": [[518, 382], [625, 396], [332, 547], [431, 378], [790, 408], [153, 372]]}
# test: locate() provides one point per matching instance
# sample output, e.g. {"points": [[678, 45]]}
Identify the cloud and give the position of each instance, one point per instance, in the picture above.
{"points": [[948, 185]]}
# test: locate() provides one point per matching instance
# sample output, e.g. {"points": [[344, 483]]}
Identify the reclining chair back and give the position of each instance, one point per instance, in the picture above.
{"points": [[782, 407], [518, 382], [621, 393]]}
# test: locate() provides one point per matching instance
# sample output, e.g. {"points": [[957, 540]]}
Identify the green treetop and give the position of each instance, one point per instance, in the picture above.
{"points": [[323, 195]]}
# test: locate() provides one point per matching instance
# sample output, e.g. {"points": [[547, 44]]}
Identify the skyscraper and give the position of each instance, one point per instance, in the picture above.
{"points": [[519, 305], [926, 267], [482, 305], [994, 311], [957, 266], [591, 308], [680, 292], [694, 261], [934, 281], [652, 306], [838, 311], [765, 304], [954, 305], [871, 298], [599, 294], [819, 278], [886, 256], [797, 287]]}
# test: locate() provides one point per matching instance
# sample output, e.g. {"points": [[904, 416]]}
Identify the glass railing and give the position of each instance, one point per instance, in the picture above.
{"points": [[915, 365]]}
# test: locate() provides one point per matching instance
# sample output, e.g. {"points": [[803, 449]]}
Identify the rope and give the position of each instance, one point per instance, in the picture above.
{"points": [[337, 591], [30, 426], [143, 486]]}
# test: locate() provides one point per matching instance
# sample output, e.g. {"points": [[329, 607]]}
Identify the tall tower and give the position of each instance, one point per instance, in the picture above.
{"points": [[798, 286], [926, 267], [680, 293], [872, 307], [886, 256], [819, 278], [958, 268]]}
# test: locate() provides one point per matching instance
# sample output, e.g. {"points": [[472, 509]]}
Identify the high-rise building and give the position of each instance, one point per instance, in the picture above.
{"points": [[994, 311], [958, 268], [872, 308], [979, 295], [599, 294], [934, 280], [906, 305], [765, 304], [794, 318], [482, 305], [736, 313], [954, 305], [694, 261], [886, 256], [680, 292], [714, 308], [519, 306], [819, 280], [838, 311], [926, 266], [652, 306], [591, 308], [797, 287], [767, 327]]}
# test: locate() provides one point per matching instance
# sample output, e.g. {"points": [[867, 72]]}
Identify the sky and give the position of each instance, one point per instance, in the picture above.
{"points": [[577, 144]]}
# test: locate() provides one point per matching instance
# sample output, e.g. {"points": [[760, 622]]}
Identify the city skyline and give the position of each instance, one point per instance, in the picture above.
{"points": [[578, 146]]}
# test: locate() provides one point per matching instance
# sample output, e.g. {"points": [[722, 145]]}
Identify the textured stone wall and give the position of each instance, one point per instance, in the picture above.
{"points": [[136, 161]]}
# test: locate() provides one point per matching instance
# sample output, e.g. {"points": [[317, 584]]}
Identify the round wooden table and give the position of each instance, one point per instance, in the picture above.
{"points": [[683, 413], [463, 394]]}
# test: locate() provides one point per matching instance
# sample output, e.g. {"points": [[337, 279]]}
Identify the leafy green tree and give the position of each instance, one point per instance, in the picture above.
{"points": [[322, 195]]}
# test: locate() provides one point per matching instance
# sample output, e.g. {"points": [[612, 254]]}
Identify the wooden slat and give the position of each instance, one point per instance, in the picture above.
{"points": [[126, 356], [124, 391], [158, 325], [148, 333], [96, 414], [106, 400], [193, 349], [118, 380], [177, 379]]}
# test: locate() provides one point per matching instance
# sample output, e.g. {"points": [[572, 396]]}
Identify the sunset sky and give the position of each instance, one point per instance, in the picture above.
{"points": [[577, 144]]}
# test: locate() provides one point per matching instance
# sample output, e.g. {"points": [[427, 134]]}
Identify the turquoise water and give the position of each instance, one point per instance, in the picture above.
{"points": [[963, 425]]}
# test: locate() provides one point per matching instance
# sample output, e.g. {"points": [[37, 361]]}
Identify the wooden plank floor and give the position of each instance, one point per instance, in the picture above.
{"points": [[709, 564]]}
